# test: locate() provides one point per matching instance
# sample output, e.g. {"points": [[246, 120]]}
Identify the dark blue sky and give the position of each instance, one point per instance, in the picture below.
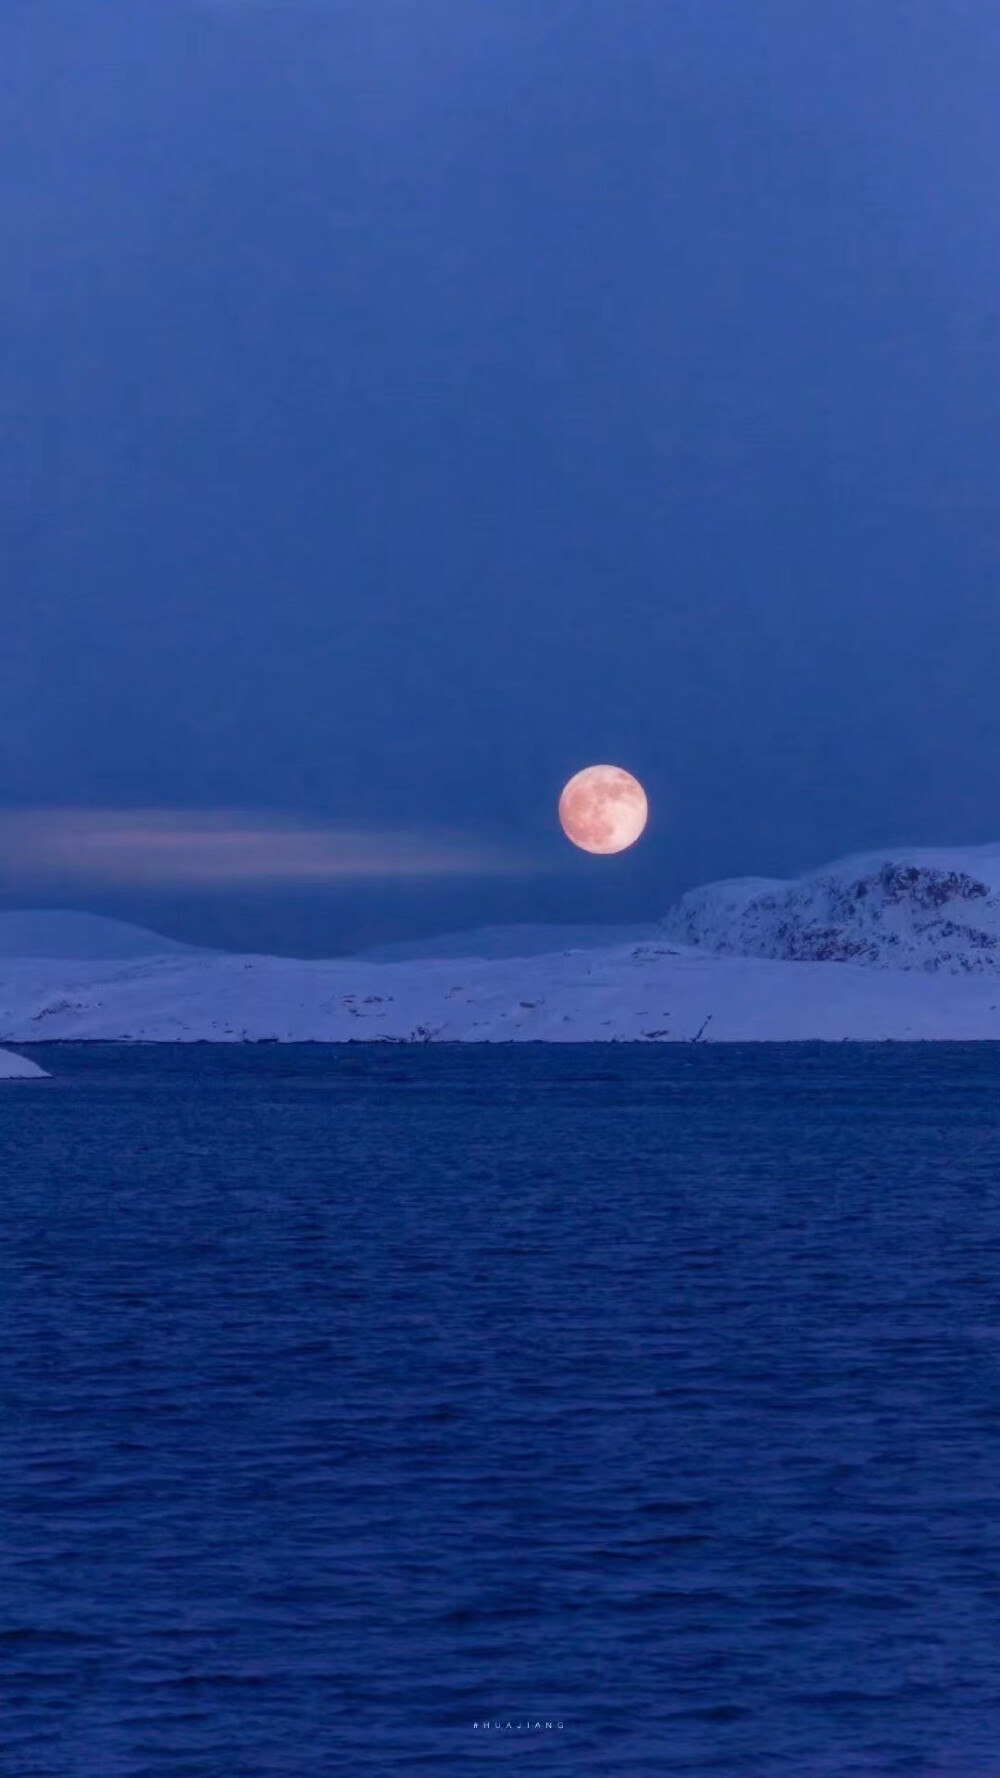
{"points": [[404, 405]]}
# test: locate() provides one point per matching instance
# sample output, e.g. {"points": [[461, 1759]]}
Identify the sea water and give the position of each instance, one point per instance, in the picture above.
{"points": [[588, 1410]]}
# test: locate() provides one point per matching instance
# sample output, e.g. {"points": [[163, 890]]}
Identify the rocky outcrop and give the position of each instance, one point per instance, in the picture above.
{"points": [[920, 911]]}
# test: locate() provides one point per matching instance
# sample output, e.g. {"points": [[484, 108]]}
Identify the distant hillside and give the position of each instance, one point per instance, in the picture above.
{"points": [[909, 908], [59, 932], [512, 941]]}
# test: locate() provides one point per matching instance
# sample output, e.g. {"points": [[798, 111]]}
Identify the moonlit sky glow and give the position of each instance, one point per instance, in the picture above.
{"points": [[403, 405]]}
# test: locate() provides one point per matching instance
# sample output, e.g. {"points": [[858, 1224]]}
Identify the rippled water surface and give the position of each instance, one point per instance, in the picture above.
{"points": [[353, 1399]]}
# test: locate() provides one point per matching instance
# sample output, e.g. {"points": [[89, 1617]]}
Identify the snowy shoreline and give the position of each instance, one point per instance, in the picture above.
{"points": [[644, 993], [898, 947]]}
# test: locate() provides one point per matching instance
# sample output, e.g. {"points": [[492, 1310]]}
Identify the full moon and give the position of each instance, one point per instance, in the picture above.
{"points": [[603, 809]]}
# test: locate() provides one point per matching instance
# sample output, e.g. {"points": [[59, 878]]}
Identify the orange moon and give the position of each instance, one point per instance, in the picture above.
{"points": [[603, 809]]}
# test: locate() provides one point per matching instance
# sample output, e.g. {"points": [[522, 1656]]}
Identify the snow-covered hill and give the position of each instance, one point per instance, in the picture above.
{"points": [[523, 940], [908, 909], [66, 932], [645, 993], [898, 946]]}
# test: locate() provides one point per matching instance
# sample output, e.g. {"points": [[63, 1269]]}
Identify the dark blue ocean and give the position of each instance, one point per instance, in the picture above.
{"points": [[358, 1403]]}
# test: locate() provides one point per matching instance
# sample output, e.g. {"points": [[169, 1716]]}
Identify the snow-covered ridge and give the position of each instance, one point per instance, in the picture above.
{"points": [[909, 909]]}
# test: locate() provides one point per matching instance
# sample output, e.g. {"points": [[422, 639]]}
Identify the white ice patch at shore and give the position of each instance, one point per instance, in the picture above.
{"points": [[19, 1068]]}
